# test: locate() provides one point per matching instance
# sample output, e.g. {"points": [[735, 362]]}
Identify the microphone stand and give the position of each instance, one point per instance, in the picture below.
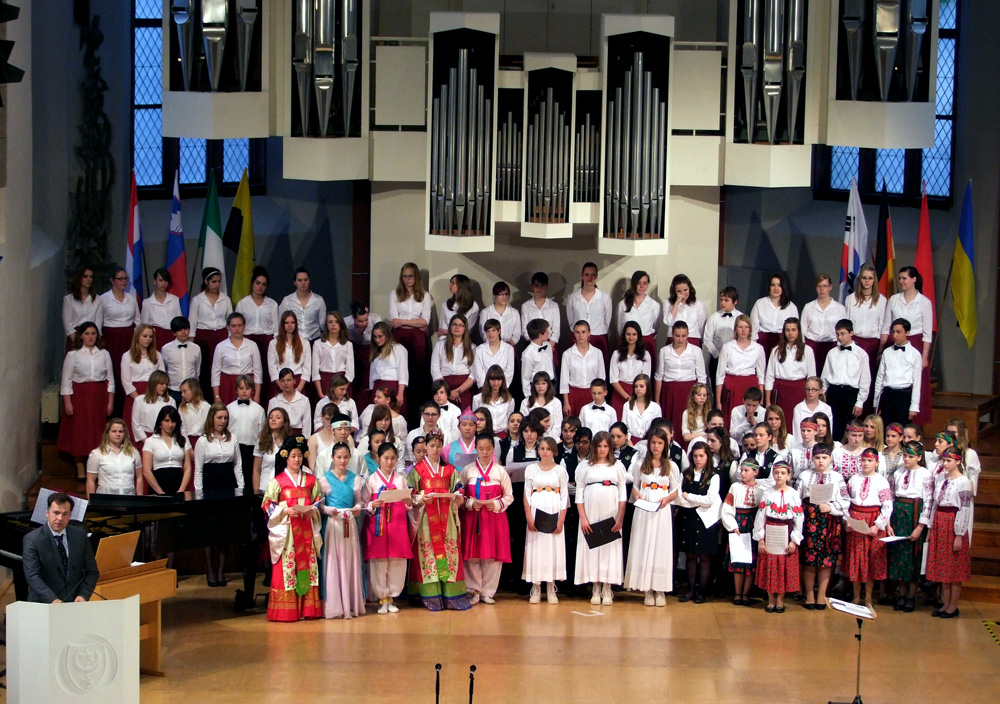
{"points": [[472, 681], [437, 684]]}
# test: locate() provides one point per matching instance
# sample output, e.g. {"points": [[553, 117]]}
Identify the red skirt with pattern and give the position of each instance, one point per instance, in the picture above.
{"points": [[778, 574], [821, 537], [944, 563], [865, 554]]}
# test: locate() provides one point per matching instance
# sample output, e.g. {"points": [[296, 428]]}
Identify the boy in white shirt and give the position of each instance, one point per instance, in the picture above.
{"points": [[743, 418], [897, 384], [539, 356], [181, 357], [598, 415], [719, 328], [846, 378], [246, 418], [540, 306], [295, 404]]}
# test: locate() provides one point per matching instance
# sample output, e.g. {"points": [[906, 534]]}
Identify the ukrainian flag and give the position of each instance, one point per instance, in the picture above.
{"points": [[963, 277]]}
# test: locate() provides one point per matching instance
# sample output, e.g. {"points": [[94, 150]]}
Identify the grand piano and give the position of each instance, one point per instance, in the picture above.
{"points": [[179, 522]]}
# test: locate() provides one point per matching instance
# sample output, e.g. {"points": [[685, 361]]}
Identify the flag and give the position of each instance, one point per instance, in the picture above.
{"points": [[855, 243], [133, 248], [176, 257], [885, 253], [238, 237], [210, 238], [963, 275], [924, 261]]}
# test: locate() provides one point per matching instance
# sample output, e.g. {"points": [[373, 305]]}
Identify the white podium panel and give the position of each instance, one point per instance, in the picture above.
{"points": [[76, 652]]}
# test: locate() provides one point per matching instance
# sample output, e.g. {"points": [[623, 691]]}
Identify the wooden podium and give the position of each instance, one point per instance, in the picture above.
{"points": [[151, 582]]}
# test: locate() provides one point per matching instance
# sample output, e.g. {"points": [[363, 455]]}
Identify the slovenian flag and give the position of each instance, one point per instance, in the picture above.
{"points": [[963, 274], [176, 257], [133, 246]]}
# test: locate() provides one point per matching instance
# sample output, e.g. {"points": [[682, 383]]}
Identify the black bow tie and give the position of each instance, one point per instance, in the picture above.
{"points": [[899, 347], [180, 346], [727, 315], [243, 402], [846, 348], [542, 348], [598, 408]]}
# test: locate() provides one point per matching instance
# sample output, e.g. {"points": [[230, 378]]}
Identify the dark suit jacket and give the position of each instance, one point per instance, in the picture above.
{"points": [[43, 568]]}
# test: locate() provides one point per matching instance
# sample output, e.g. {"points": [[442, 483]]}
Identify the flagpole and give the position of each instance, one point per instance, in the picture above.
{"points": [[947, 287]]}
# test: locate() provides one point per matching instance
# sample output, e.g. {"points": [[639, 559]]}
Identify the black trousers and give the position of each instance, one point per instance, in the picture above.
{"points": [[894, 405], [841, 400]]}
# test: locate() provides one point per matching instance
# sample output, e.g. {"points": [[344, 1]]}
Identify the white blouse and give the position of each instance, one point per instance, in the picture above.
{"points": [[915, 484], [301, 368], [411, 309], [629, 368], [215, 450], [867, 317], [85, 365], [298, 409], [638, 423], [596, 311], [205, 316], [311, 317], [119, 314], [920, 313], [691, 313], [579, 369], [332, 358], [802, 411], [549, 311], [160, 314], [819, 324], [486, 358], [347, 407], [499, 410], [956, 493], [471, 316], [458, 366], [510, 323], [115, 471], [771, 508], [689, 365], [872, 490], [646, 314], [740, 362], [233, 360], [266, 462], [193, 419], [261, 319], [395, 367], [75, 312], [791, 369], [137, 371], [767, 317], [164, 456], [555, 409], [144, 416]]}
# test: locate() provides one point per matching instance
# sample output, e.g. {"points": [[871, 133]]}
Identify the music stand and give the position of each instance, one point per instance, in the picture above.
{"points": [[862, 614]]}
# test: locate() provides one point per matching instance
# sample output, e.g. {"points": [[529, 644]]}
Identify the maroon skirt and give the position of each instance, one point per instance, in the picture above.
{"points": [[81, 432], [649, 343], [162, 336], [673, 401], [601, 343], [227, 387], [768, 340], [578, 398], [788, 394], [140, 388], [696, 341], [118, 341], [207, 341], [394, 387], [617, 402], [362, 370], [923, 416], [820, 351], [870, 345], [262, 342], [456, 380], [733, 389]]}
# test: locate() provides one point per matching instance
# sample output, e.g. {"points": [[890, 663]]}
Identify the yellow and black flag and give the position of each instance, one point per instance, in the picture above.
{"points": [[238, 238]]}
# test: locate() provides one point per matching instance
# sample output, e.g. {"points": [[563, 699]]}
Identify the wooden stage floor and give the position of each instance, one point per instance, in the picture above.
{"points": [[713, 652]]}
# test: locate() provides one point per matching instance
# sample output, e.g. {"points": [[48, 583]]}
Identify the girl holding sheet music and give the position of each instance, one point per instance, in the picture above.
{"points": [[387, 538], [871, 504], [739, 511], [778, 520], [699, 511], [822, 508], [546, 500]]}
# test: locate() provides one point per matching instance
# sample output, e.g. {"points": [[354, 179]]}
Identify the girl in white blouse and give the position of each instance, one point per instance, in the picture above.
{"points": [[819, 320], [546, 488], [871, 502], [166, 465], [114, 467], [209, 317], [504, 313], [234, 357], [912, 305], [970, 458], [160, 308], [683, 305], [120, 315], [642, 309], [694, 420], [147, 407], [544, 396], [641, 410], [769, 313], [389, 365], [332, 354], [950, 525], [261, 315], [338, 394], [631, 359], [493, 352], [460, 303], [193, 410], [790, 364], [136, 366], [452, 360], [866, 309], [495, 398], [289, 350], [741, 365], [410, 309], [80, 305], [217, 468], [309, 307], [271, 437], [88, 392]]}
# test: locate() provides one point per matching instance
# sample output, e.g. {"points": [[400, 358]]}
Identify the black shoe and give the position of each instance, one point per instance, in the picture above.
{"points": [[945, 614], [698, 597], [910, 606], [820, 607], [770, 609], [779, 609], [936, 613], [685, 598], [810, 607], [211, 582], [900, 604]]}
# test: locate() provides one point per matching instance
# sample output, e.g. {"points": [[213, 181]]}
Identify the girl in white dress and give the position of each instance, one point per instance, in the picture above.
{"points": [[641, 411], [600, 494], [272, 436], [650, 566], [546, 488], [114, 467]]}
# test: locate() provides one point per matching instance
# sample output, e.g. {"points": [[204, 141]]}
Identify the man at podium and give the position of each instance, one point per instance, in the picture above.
{"points": [[59, 562]]}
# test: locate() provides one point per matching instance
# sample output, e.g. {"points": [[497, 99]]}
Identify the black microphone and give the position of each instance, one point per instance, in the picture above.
{"points": [[437, 683], [74, 587], [472, 681]]}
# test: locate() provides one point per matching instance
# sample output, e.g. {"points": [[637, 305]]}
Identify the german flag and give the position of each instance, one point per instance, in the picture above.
{"points": [[885, 252]]}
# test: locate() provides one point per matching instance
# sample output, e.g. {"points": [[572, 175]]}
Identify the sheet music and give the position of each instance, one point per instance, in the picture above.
{"points": [[821, 493], [776, 539], [650, 506], [740, 549], [856, 610], [894, 538], [858, 526], [393, 495], [42, 506]]}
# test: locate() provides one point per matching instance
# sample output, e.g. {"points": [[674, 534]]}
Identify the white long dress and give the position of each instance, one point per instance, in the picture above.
{"points": [[603, 564], [651, 544], [545, 553]]}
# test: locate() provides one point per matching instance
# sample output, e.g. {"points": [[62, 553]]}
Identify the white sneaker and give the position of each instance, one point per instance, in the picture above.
{"points": [[650, 600], [474, 598], [661, 599], [596, 598], [607, 599], [393, 609], [383, 607], [550, 593], [536, 594], [487, 599]]}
